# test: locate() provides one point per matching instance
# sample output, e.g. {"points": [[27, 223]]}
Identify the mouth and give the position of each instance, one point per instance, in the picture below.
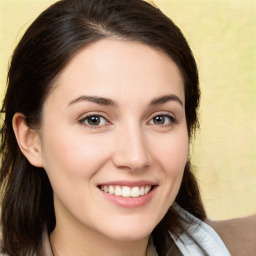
{"points": [[128, 194], [127, 191]]}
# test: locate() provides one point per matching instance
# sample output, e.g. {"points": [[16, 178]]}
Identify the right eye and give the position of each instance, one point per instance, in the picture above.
{"points": [[94, 121], [163, 120]]}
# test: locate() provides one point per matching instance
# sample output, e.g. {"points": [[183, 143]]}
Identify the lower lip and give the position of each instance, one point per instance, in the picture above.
{"points": [[130, 202]]}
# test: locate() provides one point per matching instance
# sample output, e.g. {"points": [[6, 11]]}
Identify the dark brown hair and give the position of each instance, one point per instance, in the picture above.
{"points": [[46, 47]]}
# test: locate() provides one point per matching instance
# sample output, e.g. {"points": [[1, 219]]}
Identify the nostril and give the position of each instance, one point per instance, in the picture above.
{"points": [[131, 152]]}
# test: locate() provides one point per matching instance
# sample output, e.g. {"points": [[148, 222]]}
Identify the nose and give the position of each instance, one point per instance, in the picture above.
{"points": [[131, 149]]}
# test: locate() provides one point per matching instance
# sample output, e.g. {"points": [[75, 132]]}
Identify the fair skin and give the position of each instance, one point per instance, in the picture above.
{"points": [[115, 122]]}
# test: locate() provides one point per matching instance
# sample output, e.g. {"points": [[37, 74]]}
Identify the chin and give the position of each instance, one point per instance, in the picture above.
{"points": [[132, 231]]}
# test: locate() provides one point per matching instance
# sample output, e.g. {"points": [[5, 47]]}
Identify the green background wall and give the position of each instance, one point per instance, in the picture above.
{"points": [[222, 35]]}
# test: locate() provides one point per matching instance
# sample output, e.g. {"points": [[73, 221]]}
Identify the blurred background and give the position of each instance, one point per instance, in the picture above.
{"points": [[222, 35]]}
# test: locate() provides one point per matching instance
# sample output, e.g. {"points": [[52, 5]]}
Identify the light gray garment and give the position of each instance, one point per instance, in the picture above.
{"points": [[199, 239]]}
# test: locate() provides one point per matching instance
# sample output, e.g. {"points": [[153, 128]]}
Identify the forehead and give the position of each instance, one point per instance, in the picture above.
{"points": [[119, 69]]}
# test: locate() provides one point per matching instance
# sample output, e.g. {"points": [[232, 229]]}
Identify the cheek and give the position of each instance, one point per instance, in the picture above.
{"points": [[73, 155], [172, 153], [71, 162]]}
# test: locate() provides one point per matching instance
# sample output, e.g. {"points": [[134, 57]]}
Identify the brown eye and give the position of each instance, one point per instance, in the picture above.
{"points": [[94, 120], [159, 119], [162, 120]]}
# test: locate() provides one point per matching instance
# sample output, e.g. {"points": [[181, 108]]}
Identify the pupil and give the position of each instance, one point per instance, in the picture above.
{"points": [[94, 120], [159, 120]]}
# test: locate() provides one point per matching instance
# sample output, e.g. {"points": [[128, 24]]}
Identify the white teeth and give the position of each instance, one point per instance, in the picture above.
{"points": [[118, 191], [111, 190], [135, 192], [142, 191], [126, 191], [147, 188]]}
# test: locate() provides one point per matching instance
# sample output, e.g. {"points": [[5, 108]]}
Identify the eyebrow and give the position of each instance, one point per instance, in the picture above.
{"points": [[165, 99], [108, 102], [94, 99]]}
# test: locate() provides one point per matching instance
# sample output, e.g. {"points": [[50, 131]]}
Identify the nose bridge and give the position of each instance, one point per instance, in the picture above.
{"points": [[131, 149]]}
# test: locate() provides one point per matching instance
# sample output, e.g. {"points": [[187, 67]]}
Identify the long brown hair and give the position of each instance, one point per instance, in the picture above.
{"points": [[44, 50]]}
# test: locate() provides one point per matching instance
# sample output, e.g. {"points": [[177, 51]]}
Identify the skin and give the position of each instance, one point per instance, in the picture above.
{"points": [[127, 145]]}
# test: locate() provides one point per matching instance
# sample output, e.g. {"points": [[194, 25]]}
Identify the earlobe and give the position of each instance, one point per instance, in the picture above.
{"points": [[28, 140]]}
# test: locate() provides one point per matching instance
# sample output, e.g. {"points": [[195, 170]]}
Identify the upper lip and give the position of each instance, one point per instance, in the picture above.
{"points": [[129, 183]]}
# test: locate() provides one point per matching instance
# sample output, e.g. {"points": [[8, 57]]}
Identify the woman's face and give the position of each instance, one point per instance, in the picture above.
{"points": [[114, 140]]}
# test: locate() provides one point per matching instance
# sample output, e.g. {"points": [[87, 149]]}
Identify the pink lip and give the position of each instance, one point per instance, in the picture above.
{"points": [[130, 202]]}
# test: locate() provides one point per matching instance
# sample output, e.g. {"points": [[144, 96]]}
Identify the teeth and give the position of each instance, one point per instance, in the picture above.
{"points": [[142, 191], [135, 192], [146, 190], [118, 191], [111, 190], [126, 191]]}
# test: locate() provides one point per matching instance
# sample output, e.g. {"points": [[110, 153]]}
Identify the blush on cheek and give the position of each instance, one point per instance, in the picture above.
{"points": [[175, 157]]}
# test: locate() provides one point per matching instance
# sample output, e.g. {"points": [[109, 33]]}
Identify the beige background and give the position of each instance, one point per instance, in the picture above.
{"points": [[222, 35]]}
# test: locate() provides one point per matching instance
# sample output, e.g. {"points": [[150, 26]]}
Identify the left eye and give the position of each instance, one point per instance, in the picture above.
{"points": [[161, 120], [94, 120]]}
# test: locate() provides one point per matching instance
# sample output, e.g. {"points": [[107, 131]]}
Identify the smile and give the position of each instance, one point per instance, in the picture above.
{"points": [[125, 191]]}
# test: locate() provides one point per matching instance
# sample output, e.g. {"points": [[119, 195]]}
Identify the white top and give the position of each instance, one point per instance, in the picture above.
{"points": [[199, 239]]}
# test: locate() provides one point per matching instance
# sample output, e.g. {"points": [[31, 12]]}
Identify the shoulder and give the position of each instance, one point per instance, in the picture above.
{"points": [[239, 235]]}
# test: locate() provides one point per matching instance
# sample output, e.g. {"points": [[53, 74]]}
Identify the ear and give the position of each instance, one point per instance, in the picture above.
{"points": [[28, 140]]}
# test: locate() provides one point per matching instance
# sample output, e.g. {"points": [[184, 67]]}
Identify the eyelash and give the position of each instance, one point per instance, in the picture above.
{"points": [[172, 119], [85, 119], [96, 126]]}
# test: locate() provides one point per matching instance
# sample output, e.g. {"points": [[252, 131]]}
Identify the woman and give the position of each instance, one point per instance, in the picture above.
{"points": [[100, 108]]}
